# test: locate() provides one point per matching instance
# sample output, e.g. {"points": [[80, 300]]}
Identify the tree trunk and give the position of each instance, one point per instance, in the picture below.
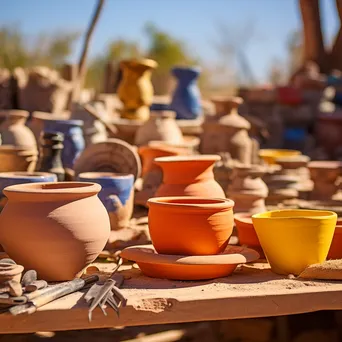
{"points": [[335, 59], [313, 38]]}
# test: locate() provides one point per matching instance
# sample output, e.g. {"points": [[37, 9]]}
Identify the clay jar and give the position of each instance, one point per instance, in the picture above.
{"points": [[189, 176], [56, 229], [14, 132], [161, 126], [190, 225], [117, 195], [17, 158]]}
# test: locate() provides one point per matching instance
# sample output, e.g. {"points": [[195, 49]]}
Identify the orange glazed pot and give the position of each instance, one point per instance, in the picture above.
{"points": [[189, 176], [335, 251], [56, 229], [190, 225], [246, 232]]}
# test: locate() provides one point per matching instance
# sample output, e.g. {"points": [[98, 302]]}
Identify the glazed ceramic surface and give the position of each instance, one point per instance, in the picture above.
{"points": [[17, 158], [190, 225], [180, 267], [335, 251], [117, 195], [186, 100], [269, 156], [12, 178], [189, 176], [56, 229], [295, 239]]}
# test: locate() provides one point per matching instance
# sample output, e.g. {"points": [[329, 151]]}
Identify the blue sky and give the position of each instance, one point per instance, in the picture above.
{"points": [[194, 21]]}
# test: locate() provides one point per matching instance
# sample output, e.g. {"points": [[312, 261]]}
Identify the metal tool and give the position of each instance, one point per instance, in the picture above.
{"points": [[107, 293]]}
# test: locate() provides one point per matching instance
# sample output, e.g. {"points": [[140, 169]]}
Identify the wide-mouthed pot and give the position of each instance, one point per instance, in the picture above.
{"points": [[295, 239], [56, 229], [190, 225]]}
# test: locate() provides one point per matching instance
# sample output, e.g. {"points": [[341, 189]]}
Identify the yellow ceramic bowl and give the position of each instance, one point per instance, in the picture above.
{"points": [[295, 239], [269, 156]]}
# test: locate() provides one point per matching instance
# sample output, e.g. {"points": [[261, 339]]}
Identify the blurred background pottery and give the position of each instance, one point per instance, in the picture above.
{"points": [[295, 239], [56, 229], [117, 195], [189, 176], [17, 158], [190, 225], [269, 156]]}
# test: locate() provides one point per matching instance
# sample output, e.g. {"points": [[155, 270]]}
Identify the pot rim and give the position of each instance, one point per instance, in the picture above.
{"points": [[325, 164], [46, 188], [268, 151], [244, 217], [189, 158], [302, 214], [105, 175], [19, 113], [208, 203], [25, 174]]}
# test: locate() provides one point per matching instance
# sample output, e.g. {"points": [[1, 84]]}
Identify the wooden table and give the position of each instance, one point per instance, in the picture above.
{"points": [[252, 291]]}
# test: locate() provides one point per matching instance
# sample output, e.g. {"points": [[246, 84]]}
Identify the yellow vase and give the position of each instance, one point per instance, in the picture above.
{"points": [[295, 239], [136, 90]]}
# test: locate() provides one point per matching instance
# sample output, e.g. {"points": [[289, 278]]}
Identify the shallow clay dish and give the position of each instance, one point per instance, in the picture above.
{"points": [[269, 156], [178, 267]]}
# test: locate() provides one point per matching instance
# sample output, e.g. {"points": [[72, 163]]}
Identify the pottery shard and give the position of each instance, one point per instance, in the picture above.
{"points": [[331, 270], [155, 305]]}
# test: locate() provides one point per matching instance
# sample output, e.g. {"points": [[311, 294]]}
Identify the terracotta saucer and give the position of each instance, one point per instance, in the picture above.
{"points": [[181, 267]]}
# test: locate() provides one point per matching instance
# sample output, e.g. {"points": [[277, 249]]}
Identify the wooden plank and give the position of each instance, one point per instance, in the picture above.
{"points": [[253, 291]]}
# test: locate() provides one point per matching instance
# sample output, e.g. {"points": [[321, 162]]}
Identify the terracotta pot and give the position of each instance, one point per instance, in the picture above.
{"points": [[190, 225], [10, 272], [335, 251], [246, 232], [160, 126], [17, 159], [117, 195], [189, 176], [56, 229]]}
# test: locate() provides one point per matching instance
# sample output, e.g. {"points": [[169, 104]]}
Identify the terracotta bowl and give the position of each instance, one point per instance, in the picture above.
{"points": [[246, 232], [335, 251], [180, 267], [295, 239], [269, 156], [190, 225]]}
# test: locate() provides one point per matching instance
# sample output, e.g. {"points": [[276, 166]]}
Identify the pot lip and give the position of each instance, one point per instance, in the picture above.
{"points": [[48, 116], [46, 188], [18, 113], [301, 214], [105, 175], [216, 203], [190, 158], [324, 164], [26, 175], [10, 148]]}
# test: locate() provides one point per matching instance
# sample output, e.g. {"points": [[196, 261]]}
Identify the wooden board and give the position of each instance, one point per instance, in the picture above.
{"points": [[253, 291]]}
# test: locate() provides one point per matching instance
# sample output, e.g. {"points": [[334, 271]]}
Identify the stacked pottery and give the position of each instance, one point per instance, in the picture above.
{"points": [[116, 195], [17, 158], [247, 189], [62, 227], [324, 175]]}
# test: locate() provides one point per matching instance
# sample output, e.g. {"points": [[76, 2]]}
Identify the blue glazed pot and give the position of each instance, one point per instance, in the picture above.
{"points": [[12, 178], [74, 142], [117, 195], [186, 100]]}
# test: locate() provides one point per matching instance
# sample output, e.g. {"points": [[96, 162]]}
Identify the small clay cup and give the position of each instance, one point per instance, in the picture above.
{"points": [[10, 272], [186, 225]]}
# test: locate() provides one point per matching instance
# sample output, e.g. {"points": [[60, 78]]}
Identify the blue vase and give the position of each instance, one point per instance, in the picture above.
{"points": [[74, 142], [12, 178], [186, 100], [117, 195]]}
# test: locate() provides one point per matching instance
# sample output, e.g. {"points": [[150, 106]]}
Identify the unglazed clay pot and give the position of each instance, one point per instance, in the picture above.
{"points": [[189, 176], [190, 225], [117, 195], [335, 251], [56, 229], [17, 158]]}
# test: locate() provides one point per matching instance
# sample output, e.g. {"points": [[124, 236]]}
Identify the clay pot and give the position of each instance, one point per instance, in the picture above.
{"points": [[135, 89], [10, 272], [14, 132], [56, 229], [189, 176], [117, 195], [269, 156], [290, 96], [190, 225], [282, 233], [335, 251], [246, 232], [160, 126], [12, 178], [17, 159]]}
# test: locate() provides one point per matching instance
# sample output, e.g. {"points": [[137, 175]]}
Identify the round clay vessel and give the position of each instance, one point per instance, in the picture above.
{"points": [[335, 251], [190, 225], [189, 176], [56, 229], [180, 267], [117, 195], [295, 239], [246, 232], [10, 272], [269, 156], [15, 158]]}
